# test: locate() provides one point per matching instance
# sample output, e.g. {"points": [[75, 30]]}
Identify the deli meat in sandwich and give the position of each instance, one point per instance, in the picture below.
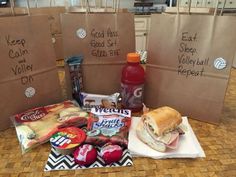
{"points": [[160, 129]]}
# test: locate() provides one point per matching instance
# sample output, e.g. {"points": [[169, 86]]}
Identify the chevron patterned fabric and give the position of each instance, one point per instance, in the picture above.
{"points": [[57, 161]]}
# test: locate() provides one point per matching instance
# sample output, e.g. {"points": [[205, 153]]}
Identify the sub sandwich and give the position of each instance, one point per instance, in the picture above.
{"points": [[160, 129]]}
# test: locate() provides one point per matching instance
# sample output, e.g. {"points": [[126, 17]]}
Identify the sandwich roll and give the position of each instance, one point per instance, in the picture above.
{"points": [[143, 135], [163, 119], [159, 128]]}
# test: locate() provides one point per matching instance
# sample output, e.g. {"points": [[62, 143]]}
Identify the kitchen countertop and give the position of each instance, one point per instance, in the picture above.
{"points": [[218, 142]]}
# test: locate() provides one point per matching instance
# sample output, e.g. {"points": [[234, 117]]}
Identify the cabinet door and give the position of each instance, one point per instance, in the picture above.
{"points": [[197, 3], [230, 4], [184, 3], [141, 23], [140, 41], [210, 3]]}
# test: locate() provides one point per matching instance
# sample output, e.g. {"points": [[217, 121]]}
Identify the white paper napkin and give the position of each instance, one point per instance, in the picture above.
{"points": [[189, 146]]}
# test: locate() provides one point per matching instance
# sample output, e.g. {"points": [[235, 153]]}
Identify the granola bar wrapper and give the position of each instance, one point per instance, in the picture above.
{"points": [[75, 69]]}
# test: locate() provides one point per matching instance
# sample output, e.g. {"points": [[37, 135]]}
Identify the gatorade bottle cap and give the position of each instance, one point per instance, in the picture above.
{"points": [[133, 57]]}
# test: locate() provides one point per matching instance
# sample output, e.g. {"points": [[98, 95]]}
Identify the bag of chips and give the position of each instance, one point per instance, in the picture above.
{"points": [[36, 126]]}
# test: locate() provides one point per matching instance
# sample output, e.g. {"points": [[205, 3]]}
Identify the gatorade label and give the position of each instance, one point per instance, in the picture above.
{"points": [[132, 95]]}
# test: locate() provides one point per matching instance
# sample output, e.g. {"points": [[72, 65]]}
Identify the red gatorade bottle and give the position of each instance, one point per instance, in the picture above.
{"points": [[132, 82]]}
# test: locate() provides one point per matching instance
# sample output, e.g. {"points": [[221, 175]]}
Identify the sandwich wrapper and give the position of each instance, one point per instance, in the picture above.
{"points": [[188, 147]]}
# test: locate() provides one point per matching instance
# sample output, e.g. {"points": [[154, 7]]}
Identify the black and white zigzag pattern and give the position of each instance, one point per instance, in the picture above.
{"points": [[57, 161]]}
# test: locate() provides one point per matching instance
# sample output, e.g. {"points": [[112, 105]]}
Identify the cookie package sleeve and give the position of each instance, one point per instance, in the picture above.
{"points": [[90, 100]]}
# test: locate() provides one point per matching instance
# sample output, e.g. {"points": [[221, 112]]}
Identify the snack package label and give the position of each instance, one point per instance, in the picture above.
{"points": [[32, 115], [108, 125], [110, 149], [132, 95], [68, 138], [107, 111], [84, 150]]}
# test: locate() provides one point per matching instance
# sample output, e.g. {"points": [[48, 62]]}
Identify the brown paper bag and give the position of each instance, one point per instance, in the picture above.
{"points": [[58, 46], [189, 62], [53, 14], [28, 73], [104, 39], [234, 60], [5, 12]]}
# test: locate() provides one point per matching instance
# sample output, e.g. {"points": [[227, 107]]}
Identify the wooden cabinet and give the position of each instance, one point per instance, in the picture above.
{"points": [[142, 26], [230, 4]]}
